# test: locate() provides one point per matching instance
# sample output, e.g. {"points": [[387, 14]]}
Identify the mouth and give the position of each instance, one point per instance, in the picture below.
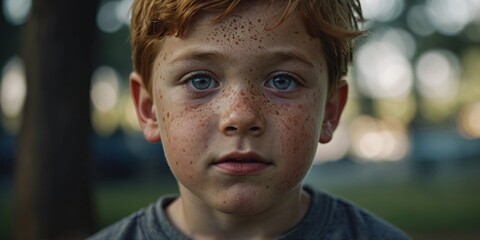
{"points": [[238, 163]]}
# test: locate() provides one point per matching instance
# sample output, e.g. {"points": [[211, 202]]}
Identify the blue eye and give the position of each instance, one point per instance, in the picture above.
{"points": [[202, 82], [282, 82]]}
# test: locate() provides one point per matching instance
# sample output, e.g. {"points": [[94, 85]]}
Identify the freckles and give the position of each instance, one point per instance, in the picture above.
{"points": [[295, 128], [292, 121], [238, 32], [185, 128], [203, 122]]}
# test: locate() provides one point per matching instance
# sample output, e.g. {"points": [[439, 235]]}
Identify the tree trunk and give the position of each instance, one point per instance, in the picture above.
{"points": [[53, 168]]}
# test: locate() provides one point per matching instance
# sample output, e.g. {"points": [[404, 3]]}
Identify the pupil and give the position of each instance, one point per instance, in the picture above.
{"points": [[281, 83], [201, 83]]}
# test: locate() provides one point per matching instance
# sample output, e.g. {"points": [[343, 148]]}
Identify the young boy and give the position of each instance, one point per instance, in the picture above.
{"points": [[239, 93]]}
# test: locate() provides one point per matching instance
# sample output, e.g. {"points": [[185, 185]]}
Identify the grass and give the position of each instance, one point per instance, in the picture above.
{"points": [[6, 218], [116, 201], [446, 210], [424, 211]]}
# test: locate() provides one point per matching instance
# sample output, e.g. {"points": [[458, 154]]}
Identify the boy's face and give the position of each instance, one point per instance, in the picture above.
{"points": [[239, 109]]}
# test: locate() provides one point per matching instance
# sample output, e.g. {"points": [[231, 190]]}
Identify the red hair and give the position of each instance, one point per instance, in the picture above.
{"points": [[335, 22]]}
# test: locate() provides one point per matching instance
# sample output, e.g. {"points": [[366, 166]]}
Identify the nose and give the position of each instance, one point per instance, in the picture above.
{"points": [[242, 117]]}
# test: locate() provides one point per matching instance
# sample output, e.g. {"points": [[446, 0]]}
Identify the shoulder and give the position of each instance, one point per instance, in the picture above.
{"points": [[142, 224], [130, 227], [350, 220], [331, 217]]}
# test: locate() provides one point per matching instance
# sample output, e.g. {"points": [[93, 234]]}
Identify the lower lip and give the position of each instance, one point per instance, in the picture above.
{"points": [[247, 168]]}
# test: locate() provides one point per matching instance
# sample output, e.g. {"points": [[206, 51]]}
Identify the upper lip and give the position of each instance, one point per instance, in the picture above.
{"points": [[242, 157]]}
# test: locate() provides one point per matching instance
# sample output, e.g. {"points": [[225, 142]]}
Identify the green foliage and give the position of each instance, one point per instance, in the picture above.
{"points": [[428, 210]]}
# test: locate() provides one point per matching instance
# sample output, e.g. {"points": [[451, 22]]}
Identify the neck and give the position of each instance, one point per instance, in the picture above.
{"points": [[200, 221]]}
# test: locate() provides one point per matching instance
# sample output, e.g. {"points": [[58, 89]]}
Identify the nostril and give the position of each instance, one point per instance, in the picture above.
{"points": [[254, 129], [231, 129]]}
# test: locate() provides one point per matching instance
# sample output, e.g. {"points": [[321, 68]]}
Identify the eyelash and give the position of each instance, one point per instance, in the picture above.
{"points": [[196, 92], [294, 83], [189, 78]]}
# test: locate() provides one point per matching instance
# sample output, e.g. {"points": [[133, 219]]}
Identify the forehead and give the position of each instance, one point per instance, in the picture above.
{"points": [[252, 28], [250, 18]]}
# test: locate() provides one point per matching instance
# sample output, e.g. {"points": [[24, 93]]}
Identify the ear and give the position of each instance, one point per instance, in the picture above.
{"points": [[145, 108], [333, 111]]}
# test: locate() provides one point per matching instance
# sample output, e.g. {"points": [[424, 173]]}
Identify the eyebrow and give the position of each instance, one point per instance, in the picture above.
{"points": [[285, 56], [268, 55], [199, 55]]}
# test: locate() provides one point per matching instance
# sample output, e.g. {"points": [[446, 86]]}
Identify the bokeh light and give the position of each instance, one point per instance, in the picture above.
{"points": [[107, 19], [375, 140], [113, 15], [123, 11], [382, 10], [470, 84], [402, 40], [336, 149], [438, 73], [129, 120], [16, 12], [105, 95], [468, 121], [13, 87], [105, 86], [450, 17], [13, 91], [383, 68], [105, 123]]}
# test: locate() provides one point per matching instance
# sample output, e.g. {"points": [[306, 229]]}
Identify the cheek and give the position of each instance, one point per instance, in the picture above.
{"points": [[184, 137], [299, 132]]}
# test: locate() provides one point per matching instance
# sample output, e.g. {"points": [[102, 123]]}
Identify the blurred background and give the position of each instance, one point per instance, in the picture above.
{"points": [[408, 148]]}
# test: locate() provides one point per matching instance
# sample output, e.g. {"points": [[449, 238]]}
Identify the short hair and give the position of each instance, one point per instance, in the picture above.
{"points": [[335, 22]]}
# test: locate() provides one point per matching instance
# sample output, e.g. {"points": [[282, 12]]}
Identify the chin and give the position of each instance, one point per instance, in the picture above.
{"points": [[241, 208], [243, 201]]}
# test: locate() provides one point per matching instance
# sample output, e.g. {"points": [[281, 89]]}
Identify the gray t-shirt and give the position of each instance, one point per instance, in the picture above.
{"points": [[328, 218]]}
